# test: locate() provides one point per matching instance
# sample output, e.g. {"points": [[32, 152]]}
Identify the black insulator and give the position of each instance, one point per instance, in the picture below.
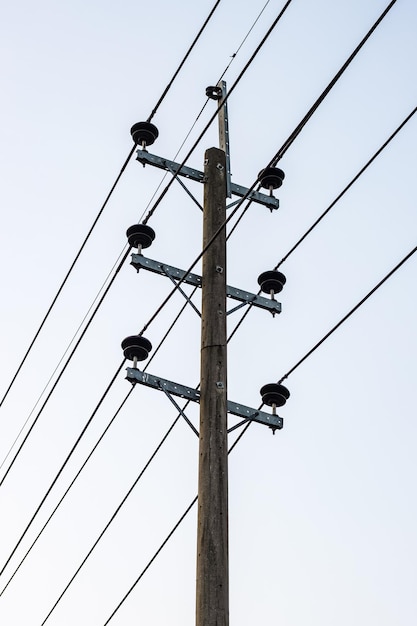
{"points": [[215, 93], [273, 393], [136, 346], [271, 177], [144, 133], [271, 281], [140, 235]]}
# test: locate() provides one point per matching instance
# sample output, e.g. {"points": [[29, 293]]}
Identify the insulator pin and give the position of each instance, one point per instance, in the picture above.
{"points": [[215, 93]]}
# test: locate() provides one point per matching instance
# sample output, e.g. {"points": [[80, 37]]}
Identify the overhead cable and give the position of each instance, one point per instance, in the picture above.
{"points": [[62, 371], [332, 83], [62, 467], [66, 351], [157, 203], [372, 291], [284, 9], [66, 492], [280, 381], [271, 162], [314, 107], [151, 458], [340, 195], [355, 308], [99, 214], [275, 22], [90, 454], [163, 544], [213, 117], [187, 54], [278, 156], [58, 293], [234, 55], [88, 458]]}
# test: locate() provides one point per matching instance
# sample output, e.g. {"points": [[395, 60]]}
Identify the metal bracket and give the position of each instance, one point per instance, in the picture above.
{"points": [[224, 134], [146, 158], [139, 261], [143, 378]]}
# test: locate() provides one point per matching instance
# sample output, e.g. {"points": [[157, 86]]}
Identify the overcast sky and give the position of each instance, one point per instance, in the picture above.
{"points": [[323, 514]]}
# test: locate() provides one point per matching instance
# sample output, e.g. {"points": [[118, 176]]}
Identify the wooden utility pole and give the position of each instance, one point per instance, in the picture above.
{"points": [[212, 598]]}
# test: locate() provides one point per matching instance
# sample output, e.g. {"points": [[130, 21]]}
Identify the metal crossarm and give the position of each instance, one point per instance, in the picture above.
{"points": [[146, 158], [143, 378], [139, 261]]}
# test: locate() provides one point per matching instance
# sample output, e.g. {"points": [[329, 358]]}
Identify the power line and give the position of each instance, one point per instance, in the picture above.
{"points": [[240, 203], [318, 344], [58, 293], [234, 55], [147, 464], [143, 572], [163, 544], [276, 158], [63, 466], [63, 370], [244, 40], [275, 22], [341, 194], [273, 161], [332, 83], [284, 377], [88, 458], [373, 290], [45, 620], [355, 308], [66, 492], [93, 449], [288, 3], [129, 491], [210, 242], [61, 359], [213, 117], [290, 140], [99, 214], [167, 88]]}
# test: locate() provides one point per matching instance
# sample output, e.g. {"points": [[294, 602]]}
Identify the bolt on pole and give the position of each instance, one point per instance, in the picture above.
{"points": [[212, 592]]}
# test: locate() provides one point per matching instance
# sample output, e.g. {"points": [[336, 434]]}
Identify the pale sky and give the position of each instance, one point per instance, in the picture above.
{"points": [[323, 514]]}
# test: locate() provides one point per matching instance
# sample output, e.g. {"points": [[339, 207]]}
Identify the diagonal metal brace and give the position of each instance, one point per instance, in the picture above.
{"points": [[138, 261], [143, 378], [182, 292], [178, 179], [180, 411], [146, 158]]}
